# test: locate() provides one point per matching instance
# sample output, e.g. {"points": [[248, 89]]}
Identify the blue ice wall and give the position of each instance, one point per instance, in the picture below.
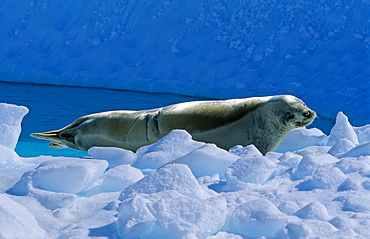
{"points": [[316, 50]]}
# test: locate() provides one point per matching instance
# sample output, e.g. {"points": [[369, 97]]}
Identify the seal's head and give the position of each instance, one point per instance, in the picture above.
{"points": [[297, 113]]}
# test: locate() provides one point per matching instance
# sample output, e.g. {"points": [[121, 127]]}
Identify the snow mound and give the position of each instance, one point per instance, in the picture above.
{"points": [[258, 218]]}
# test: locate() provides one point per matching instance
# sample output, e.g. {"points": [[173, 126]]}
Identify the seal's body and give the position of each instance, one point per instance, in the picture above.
{"points": [[262, 121]]}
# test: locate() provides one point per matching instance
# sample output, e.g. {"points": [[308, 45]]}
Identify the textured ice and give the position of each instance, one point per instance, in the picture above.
{"points": [[207, 160], [184, 217], [120, 177], [17, 222], [170, 177], [258, 218], [10, 123], [176, 144], [255, 169], [342, 129], [114, 156], [314, 210]]}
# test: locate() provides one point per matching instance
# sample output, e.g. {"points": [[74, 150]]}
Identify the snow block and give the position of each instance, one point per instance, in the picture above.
{"points": [[10, 124], [207, 161], [174, 145], [300, 138], [326, 177], [176, 177], [120, 177], [310, 162], [360, 150], [68, 175], [17, 222], [258, 218], [342, 129], [135, 215], [9, 158], [255, 169], [314, 210], [248, 151], [341, 147], [114, 156], [185, 216]]}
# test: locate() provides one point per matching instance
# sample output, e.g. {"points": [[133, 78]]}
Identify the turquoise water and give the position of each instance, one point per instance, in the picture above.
{"points": [[53, 107]]}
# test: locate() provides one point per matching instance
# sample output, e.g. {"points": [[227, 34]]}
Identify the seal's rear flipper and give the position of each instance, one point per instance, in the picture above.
{"points": [[53, 136]]}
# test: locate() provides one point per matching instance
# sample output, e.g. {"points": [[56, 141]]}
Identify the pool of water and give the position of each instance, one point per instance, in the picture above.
{"points": [[53, 107]]}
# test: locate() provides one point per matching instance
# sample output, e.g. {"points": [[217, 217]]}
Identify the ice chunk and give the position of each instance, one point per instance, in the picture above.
{"points": [[9, 158], [351, 165], [310, 228], [248, 151], [174, 145], [68, 175], [258, 218], [314, 210], [208, 160], [360, 150], [363, 133], [10, 124], [181, 217], [290, 159], [114, 156], [17, 222], [52, 200], [120, 177], [170, 177], [326, 177], [224, 235], [255, 169], [341, 146], [348, 184], [316, 150], [357, 203], [342, 129], [135, 217], [300, 138], [310, 162]]}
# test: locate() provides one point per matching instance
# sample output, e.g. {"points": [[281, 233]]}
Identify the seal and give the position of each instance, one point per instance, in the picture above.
{"points": [[262, 121]]}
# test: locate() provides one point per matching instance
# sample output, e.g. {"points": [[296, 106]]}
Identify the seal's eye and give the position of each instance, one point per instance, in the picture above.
{"points": [[290, 117]]}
